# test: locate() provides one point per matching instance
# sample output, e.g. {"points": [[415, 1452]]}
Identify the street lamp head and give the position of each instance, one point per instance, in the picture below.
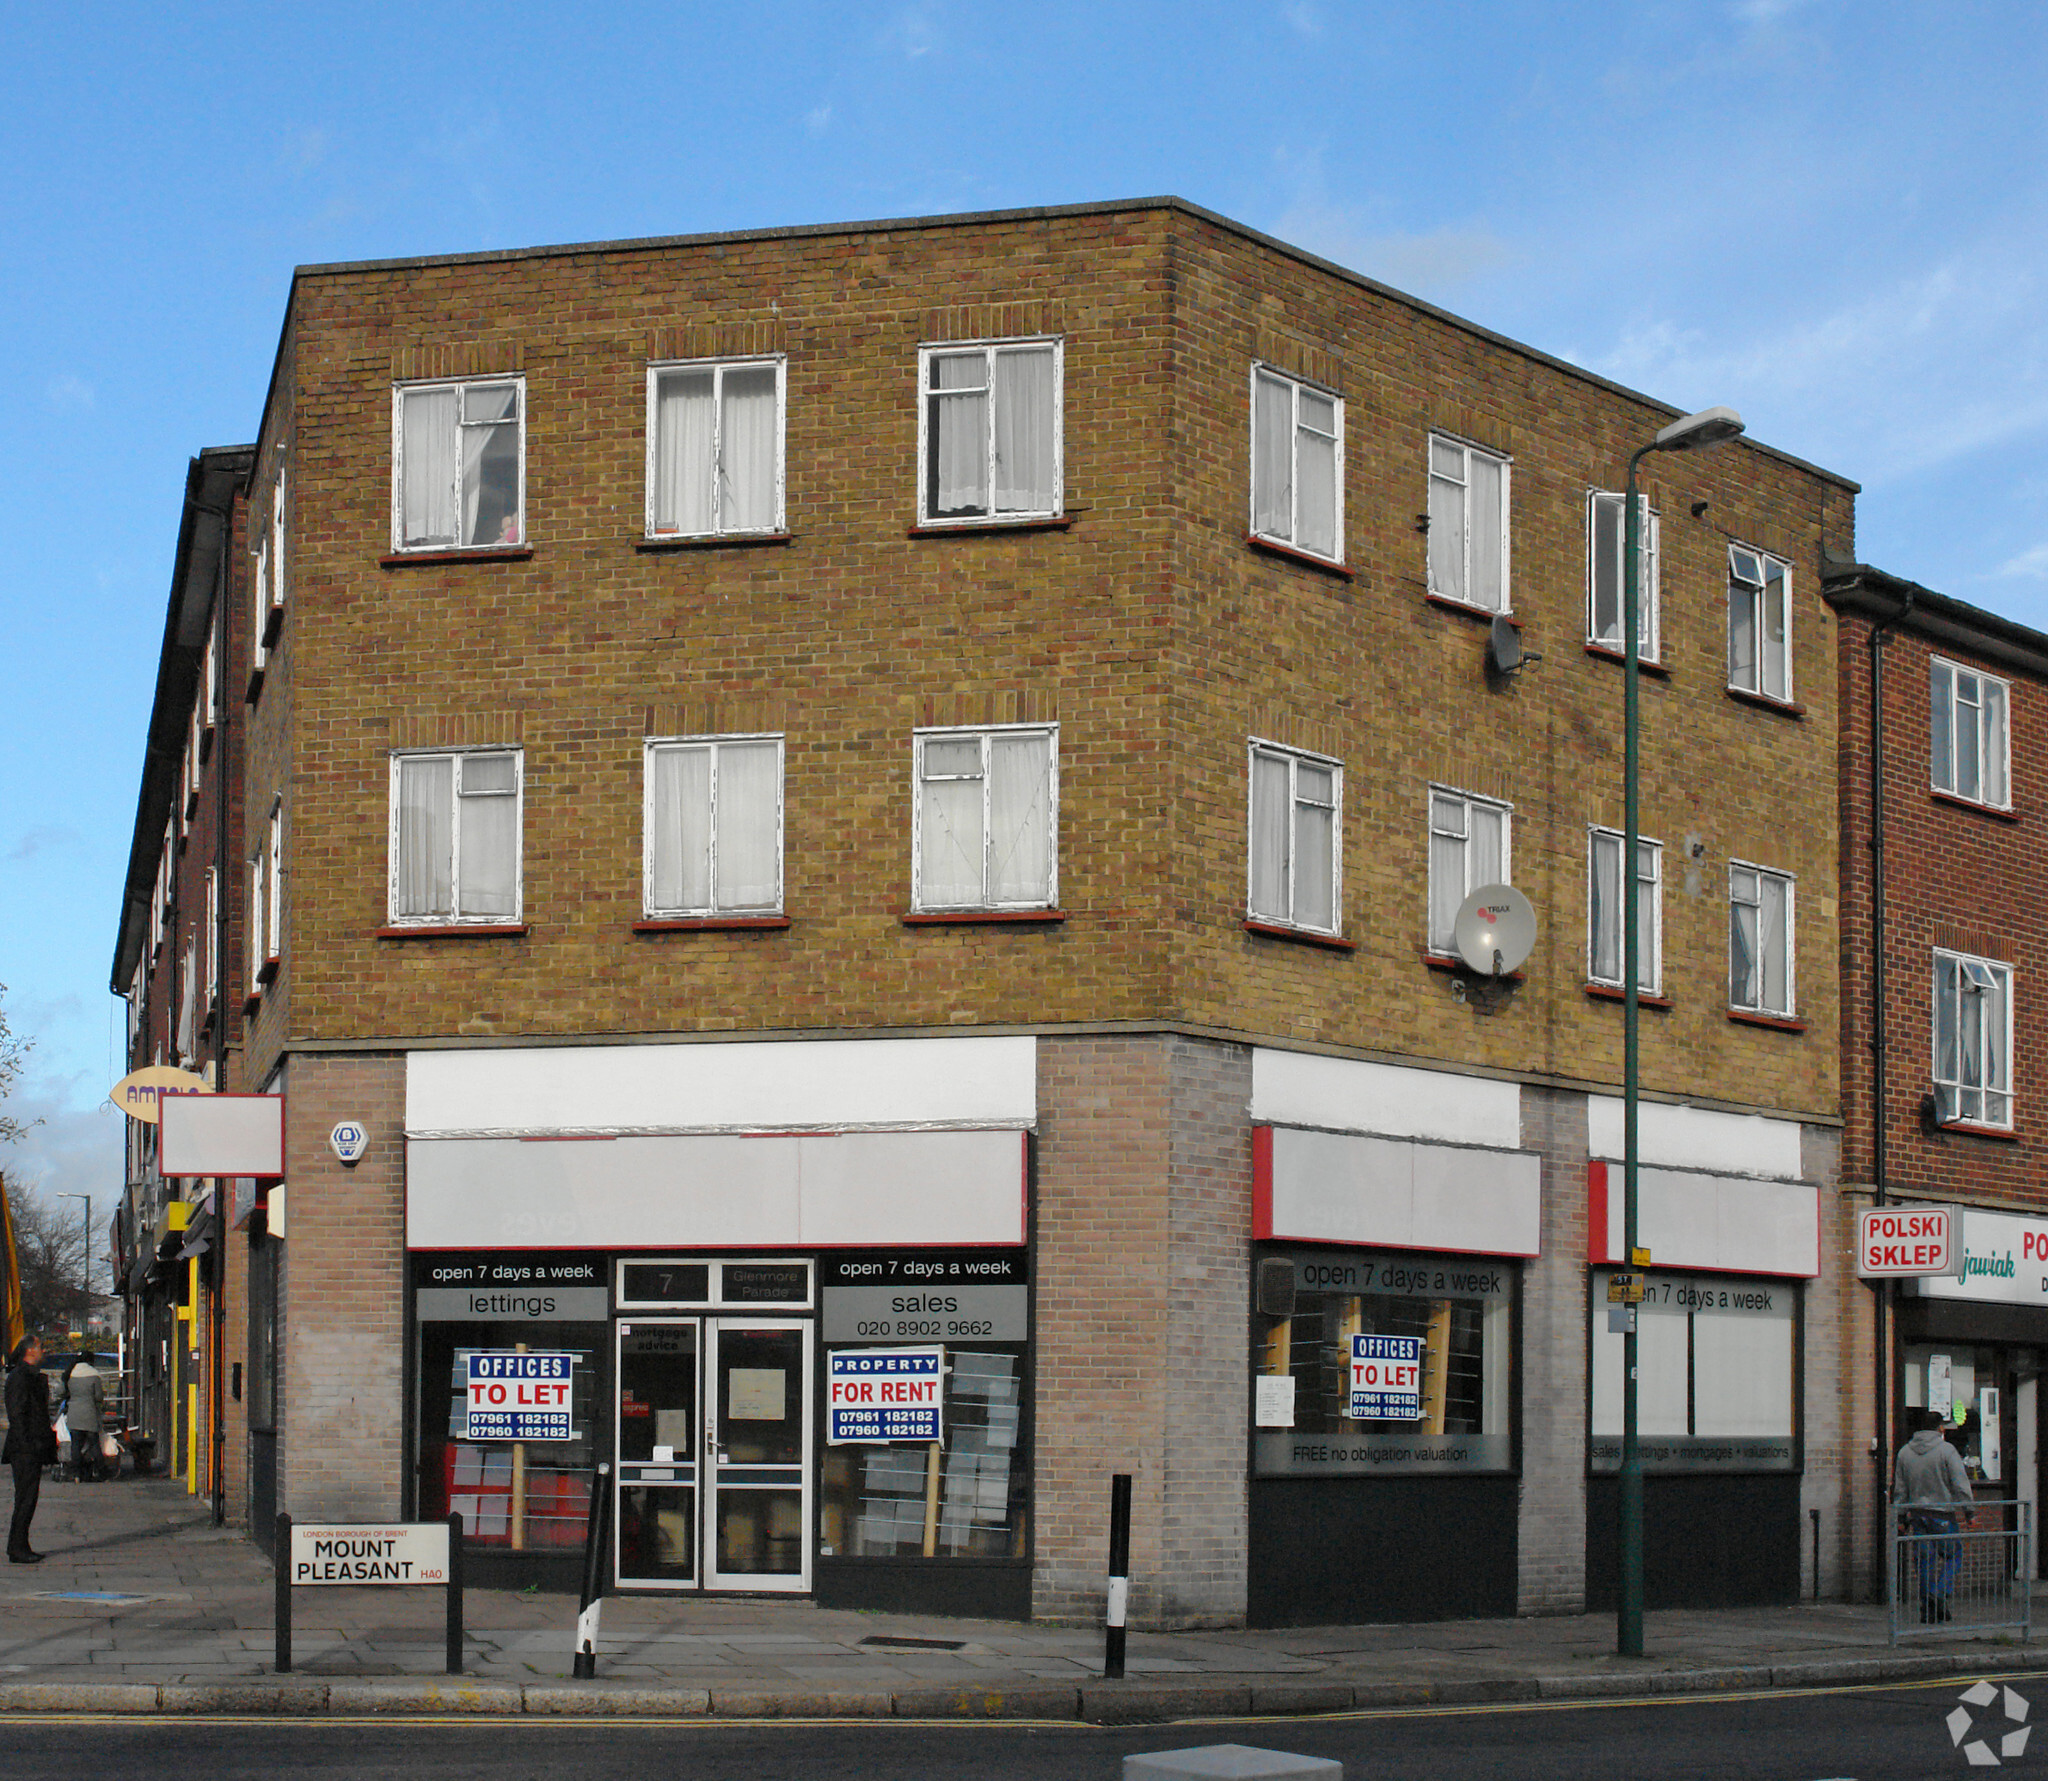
{"points": [[1711, 426]]}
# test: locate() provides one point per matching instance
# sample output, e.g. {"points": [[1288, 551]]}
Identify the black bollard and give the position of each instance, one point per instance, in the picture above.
{"points": [[1119, 1575], [593, 1572]]}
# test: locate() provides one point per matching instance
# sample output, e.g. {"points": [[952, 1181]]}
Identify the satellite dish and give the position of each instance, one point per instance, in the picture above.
{"points": [[1495, 930], [1503, 647]]}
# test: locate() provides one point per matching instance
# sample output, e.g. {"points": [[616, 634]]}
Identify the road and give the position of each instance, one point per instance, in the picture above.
{"points": [[1867, 1734]]}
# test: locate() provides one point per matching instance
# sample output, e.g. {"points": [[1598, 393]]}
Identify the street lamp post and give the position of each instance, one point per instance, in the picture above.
{"points": [[1708, 427]]}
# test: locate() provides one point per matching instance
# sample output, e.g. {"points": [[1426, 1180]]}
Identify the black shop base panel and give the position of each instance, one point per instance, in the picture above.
{"points": [[1346, 1551], [1711, 1541], [984, 1589]]}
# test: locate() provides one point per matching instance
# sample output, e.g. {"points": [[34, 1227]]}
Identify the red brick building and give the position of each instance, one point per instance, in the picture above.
{"points": [[1944, 737], [906, 786]]}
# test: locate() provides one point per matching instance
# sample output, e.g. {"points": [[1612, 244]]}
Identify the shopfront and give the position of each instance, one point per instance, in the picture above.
{"points": [[1386, 1287], [1719, 1381], [1971, 1349], [692, 1299]]}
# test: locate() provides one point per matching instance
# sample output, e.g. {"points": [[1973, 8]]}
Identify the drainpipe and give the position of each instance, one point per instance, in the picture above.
{"points": [[1886, 1297], [223, 894]]}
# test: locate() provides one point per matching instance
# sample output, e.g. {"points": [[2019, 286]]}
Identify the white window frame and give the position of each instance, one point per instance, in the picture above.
{"points": [[259, 651], [276, 607], [399, 391], [656, 370], [1507, 489], [984, 733], [1974, 976], [258, 905], [715, 745], [212, 936], [1791, 939], [931, 350], [1294, 758], [1757, 586], [1942, 773], [518, 796], [209, 683], [274, 913], [1295, 385], [1650, 938], [1647, 580], [1430, 831]]}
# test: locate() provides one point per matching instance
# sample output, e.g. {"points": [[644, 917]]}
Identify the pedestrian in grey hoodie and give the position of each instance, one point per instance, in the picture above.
{"points": [[1931, 1482]]}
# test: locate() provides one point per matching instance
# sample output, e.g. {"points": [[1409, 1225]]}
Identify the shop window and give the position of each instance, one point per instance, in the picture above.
{"points": [[967, 1498], [1309, 1307], [514, 1496], [1961, 1384], [1716, 1374], [1968, 734]]}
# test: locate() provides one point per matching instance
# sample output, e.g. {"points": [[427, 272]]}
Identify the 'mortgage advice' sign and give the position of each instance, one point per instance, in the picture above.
{"points": [[359, 1552]]}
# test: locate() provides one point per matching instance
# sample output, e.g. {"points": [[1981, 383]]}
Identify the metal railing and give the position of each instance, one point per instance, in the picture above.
{"points": [[1961, 1570]]}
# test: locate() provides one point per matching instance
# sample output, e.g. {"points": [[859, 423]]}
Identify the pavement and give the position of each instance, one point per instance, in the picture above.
{"points": [[144, 1607]]}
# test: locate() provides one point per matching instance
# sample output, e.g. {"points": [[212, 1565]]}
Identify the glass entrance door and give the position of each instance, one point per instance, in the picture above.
{"points": [[655, 1529], [714, 1452], [757, 1453]]}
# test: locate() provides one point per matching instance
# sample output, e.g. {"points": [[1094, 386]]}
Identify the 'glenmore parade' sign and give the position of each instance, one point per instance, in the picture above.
{"points": [[409, 1552]]}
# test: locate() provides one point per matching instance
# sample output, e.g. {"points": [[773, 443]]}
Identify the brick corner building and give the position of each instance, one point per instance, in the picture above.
{"points": [[906, 786]]}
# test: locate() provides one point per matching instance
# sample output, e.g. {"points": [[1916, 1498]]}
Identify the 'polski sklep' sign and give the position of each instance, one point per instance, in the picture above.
{"points": [[519, 1397], [1386, 1379], [884, 1394]]}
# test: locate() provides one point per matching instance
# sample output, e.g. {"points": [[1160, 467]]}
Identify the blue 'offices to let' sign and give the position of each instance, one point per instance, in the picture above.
{"points": [[1386, 1379], [519, 1397]]}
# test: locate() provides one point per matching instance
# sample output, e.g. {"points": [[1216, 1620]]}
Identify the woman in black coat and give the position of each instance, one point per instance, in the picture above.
{"points": [[31, 1441]]}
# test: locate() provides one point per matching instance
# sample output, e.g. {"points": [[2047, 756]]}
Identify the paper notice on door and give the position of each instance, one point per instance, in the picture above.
{"points": [[1274, 1408], [1940, 1385], [672, 1428], [757, 1394]]}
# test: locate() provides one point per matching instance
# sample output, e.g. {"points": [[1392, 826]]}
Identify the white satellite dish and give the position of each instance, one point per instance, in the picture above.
{"points": [[1495, 930]]}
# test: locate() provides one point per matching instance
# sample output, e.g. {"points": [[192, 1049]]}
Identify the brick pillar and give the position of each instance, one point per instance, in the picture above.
{"points": [[341, 1305], [1551, 1547]]}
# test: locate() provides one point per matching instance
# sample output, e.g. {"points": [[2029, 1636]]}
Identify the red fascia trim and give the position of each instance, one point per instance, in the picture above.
{"points": [[1465, 609], [709, 923], [1962, 803], [462, 931], [1262, 1182], [981, 528], [1600, 652], [496, 553], [2003, 1134], [1742, 1017], [1606, 992], [1596, 1214], [1307, 559], [1764, 702], [1307, 936], [918, 918]]}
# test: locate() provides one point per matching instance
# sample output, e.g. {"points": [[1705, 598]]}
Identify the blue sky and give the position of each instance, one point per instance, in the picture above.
{"points": [[1833, 216]]}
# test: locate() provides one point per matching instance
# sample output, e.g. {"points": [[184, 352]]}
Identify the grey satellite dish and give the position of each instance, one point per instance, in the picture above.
{"points": [[1503, 647], [1495, 930]]}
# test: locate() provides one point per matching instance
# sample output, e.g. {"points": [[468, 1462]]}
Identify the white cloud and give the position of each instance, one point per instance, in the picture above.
{"points": [[1767, 12], [69, 394], [818, 120], [915, 29], [1304, 15], [2031, 565], [1427, 264]]}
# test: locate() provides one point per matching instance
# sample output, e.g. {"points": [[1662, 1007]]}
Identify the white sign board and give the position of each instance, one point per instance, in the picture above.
{"points": [[367, 1552], [2004, 1261], [884, 1394], [1894, 1242], [1386, 1379], [221, 1135], [518, 1397]]}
